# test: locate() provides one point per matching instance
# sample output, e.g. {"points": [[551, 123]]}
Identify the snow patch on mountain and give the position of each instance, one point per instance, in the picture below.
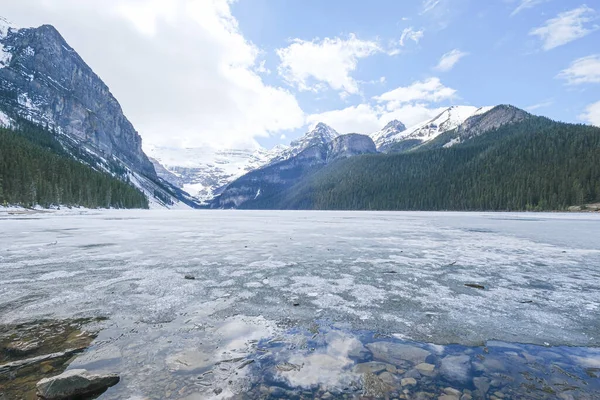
{"points": [[450, 118], [203, 170], [320, 135], [5, 120], [392, 129]]}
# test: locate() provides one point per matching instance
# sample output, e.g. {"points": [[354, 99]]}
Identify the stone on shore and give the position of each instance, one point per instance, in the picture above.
{"points": [[74, 383]]}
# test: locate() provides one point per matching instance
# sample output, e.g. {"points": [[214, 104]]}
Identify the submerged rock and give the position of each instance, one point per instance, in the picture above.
{"points": [[374, 367], [397, 354], [426, 369], [74, 383], [456, 368], [22, 347], [375, 386], [408, 382]]}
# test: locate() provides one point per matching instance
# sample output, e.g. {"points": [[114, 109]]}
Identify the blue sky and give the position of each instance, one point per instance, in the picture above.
{"points": [[193, 73], [503, 62]]}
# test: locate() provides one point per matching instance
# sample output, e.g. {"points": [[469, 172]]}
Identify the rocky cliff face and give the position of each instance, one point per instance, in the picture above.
{"points": [[44, 80], [479, 124], [494, 118], [264, 183], [345, 146]]}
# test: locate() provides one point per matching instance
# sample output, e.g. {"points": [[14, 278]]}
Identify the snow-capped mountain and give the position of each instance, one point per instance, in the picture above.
{"points": [[45, 81], [320, 135], [450, 118], [204, 171], [391, 130]]}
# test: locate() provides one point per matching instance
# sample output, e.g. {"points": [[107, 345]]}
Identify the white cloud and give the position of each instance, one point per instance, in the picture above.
{"points": [[582, 70], [410, 104], [450, 59], [181, 69], [361, 118], [430, 90], [543, 104], [592, 114], [327, 61], [366, 119], [566, 27], [410, 34], [525, 4], [429, 5]]}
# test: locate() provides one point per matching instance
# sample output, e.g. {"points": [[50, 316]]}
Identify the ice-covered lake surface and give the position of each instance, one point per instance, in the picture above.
{"points": [[291, 304]]}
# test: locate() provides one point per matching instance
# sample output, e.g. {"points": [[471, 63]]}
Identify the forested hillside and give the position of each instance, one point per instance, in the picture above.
{"points": [[536, 164], [36, 170]]}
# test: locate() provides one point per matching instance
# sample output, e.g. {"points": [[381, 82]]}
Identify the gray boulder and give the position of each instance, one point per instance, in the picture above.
{"points": [[456, 368], [397, 354], [74, 383]]}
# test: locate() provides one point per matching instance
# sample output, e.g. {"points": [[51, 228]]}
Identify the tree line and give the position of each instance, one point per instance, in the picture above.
{"points": [[536, 164], [35, 170]]}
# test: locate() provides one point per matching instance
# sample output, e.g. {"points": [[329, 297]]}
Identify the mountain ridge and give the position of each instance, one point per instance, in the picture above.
{"points": [[43, 80], [475, 173]]}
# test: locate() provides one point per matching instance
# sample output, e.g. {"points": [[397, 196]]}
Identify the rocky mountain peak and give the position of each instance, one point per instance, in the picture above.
{"points": [[324, 131], [47, 82], [394, 125]]}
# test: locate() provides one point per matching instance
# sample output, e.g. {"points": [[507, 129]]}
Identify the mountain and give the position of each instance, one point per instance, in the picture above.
{"points": [[320, 135], [265, 184], [43, 80], [478, 124], [392, 130], [406, 139], [512, 161], [204, 171]]}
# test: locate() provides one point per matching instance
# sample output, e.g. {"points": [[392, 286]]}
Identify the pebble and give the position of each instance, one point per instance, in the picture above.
{"points": [[452, 392], [408, 381]]}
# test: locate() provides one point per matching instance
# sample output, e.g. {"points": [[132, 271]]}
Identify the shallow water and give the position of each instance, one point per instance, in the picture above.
{"points": [[320, 282]]}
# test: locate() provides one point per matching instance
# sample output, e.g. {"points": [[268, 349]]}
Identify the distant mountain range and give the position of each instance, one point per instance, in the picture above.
{"points": [[446, 162], [499, 158]]}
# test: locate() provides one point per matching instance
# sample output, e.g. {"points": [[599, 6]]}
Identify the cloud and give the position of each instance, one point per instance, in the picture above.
{"points": [[181, 69], [566, 27], [314, 65], [592, 114], [430, 90], [366, 118], [450, 59], [429, 5], [409, 104], [410, 34], [582, 70], [544, 104], [361, 118], [525, 4]]}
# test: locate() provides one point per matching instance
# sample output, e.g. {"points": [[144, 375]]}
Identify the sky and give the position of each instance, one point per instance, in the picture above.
{"points": [[262, 72]]}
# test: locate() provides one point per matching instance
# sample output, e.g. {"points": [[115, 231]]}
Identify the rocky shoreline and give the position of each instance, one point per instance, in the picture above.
{"points": [[34, 356]]}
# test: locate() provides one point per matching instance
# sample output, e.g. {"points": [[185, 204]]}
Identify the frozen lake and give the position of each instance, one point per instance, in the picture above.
{"points": [[294, 300]]}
